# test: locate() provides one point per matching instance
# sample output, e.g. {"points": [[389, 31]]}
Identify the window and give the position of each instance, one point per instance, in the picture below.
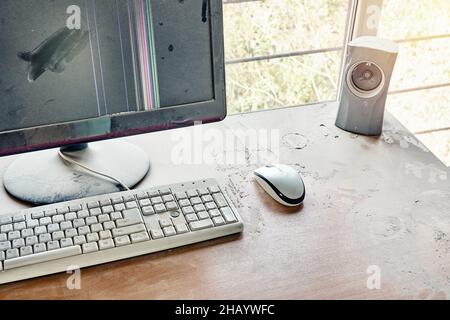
{"points": [[282, 53]]}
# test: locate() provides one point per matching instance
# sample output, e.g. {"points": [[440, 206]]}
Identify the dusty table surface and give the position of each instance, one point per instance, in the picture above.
{"points": [[376, 208]]}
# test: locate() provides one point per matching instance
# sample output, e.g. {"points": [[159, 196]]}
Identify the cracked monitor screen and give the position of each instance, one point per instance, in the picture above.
{"points": [[70, 60]]}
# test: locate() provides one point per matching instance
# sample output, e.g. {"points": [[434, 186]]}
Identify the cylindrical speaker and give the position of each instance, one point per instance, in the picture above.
{"points": [[367, 73]]}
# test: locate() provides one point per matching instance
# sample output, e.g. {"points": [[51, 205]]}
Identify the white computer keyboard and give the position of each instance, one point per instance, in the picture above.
{"points": [[85, 232]]}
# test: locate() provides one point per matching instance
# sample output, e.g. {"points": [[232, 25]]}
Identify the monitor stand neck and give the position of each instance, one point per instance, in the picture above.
{"points": [[43, 177]]}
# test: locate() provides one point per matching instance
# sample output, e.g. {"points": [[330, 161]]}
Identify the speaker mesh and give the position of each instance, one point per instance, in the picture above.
{"points": [[366, 76]]}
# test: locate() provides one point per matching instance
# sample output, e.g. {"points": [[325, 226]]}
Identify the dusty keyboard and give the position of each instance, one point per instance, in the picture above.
{"points": [[85, 232]]}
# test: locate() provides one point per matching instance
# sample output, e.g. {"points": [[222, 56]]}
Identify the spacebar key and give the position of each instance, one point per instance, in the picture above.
{"points": [[42, 257]]}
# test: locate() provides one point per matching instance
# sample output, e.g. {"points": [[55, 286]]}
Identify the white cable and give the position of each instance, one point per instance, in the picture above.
{"points": [[74, 162]]}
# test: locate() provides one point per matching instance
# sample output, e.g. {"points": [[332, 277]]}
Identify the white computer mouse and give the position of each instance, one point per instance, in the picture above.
{"points": [[282, 183]]}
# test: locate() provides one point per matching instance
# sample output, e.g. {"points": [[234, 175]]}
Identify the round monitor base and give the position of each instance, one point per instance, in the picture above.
{"points": [[44, 178]]}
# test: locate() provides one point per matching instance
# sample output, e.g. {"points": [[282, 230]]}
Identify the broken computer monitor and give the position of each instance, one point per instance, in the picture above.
{"points": [[79, 71]]}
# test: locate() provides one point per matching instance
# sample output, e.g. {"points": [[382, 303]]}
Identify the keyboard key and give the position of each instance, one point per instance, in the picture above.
{"points": [[106, 244], [105, 202], [145, 202], [202, 215], [188, 210], [210, 206], [26, 251], [119, 207], [169, 231], [103, 218], [202, 224], [107, 209], [168, 198], [142, 195], [92, 237], [220, 200], [157, 233], [84, 230], [131, 205], [93, 204], [12, 235], [79, 240], [148, 211], [70, 216], [32, 223], [91, 220], [105, 235], [58, 218], [116, 215], [90, 247], [207, 198], [95, 212], [159, 208], [75, 207], [6, 228], [97, 227], [70, 233], [45, 221], [19, 226], [117, 200], [203, 191], [37, 215], [218, 221], [79, 223], [40, 230], [42, 257], [165, 223], [122, 241], [184, 203], [2, 256], [196, 200], [67, 242], [156, 200], [153, 193], [62, 210], [3, 237], [40, 247], [128, 198], [199, 207], [58, 235], [66, 225], [228, 215], [82, 214], [11, 254], [52, 245], [164, 191], [191, 217], [192, 193], [53, 227], [5, 220], [171, 206], [181, 228], [31, 240], [50, 213], [45, 237], [139, 237], [18, 218], [180, 195], [18, 243], [109, 225], [128, 230]]}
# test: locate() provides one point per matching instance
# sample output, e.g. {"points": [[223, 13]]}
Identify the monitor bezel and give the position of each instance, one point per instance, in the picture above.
{"points": [[129, 124]]}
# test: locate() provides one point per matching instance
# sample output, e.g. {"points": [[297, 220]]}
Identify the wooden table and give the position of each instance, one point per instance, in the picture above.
{"points": [[372, 204]]}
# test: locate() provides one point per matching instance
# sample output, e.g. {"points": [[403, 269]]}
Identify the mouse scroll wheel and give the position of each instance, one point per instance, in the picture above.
{"points": [[269, 166]]}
